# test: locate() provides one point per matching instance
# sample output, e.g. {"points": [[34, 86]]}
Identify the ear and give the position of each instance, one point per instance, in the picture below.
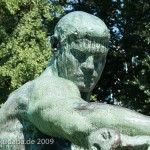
{"points": [[54, 44]]}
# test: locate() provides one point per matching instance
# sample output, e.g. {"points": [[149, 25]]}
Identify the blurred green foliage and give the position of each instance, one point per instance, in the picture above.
{"points": [[25, 26]]}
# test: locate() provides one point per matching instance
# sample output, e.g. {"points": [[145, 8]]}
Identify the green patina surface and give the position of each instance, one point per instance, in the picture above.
{"points": [[55, 104]]}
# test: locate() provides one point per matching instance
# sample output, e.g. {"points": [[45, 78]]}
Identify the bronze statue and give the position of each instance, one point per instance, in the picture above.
{"points": [[54, 103]]}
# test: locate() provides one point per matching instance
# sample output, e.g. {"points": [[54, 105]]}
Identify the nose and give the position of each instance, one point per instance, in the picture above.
{"points": [[88, 65]]}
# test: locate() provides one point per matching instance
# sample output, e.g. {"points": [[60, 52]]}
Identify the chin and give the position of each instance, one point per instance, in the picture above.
{"points": [[88, 87]]}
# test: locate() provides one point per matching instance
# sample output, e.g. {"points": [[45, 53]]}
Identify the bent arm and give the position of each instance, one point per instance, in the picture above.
{"points": [[85, 128], [60, 114]]}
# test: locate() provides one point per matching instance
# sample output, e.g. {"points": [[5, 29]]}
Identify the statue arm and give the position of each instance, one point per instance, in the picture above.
{"points": [[85, 123], [85, 129]]}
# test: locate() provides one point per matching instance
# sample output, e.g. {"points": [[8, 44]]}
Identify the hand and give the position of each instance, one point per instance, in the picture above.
{"points": [[104, 139], [111, 139]]}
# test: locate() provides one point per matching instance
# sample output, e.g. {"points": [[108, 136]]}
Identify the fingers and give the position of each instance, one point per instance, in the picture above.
{"points": [[135, 141], [110, 139]]}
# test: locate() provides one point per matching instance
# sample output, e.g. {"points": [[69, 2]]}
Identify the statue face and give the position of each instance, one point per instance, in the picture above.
{"points": [[80, 41], [83, 62]]}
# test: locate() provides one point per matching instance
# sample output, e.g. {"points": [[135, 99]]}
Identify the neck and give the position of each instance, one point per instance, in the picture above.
{"points": [[51, 70], [86, 96]]}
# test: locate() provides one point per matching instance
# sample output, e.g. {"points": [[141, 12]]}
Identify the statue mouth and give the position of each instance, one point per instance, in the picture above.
{"points": [[84, 79], [87, 79]]}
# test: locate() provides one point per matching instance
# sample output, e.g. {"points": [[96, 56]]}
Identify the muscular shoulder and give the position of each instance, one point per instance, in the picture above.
{"points": [[55, 87], [17, 98]]}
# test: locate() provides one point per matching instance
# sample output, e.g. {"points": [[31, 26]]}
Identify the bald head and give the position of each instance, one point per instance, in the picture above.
{"points": [[83, 22], [80, 24]]}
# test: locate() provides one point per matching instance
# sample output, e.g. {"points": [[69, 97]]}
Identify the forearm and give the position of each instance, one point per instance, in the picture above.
{"points": [[78, 121], [134, 141], [109, 116]]}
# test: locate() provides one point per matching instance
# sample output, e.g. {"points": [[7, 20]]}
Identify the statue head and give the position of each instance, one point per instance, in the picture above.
{"points": [[80, 46]]}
